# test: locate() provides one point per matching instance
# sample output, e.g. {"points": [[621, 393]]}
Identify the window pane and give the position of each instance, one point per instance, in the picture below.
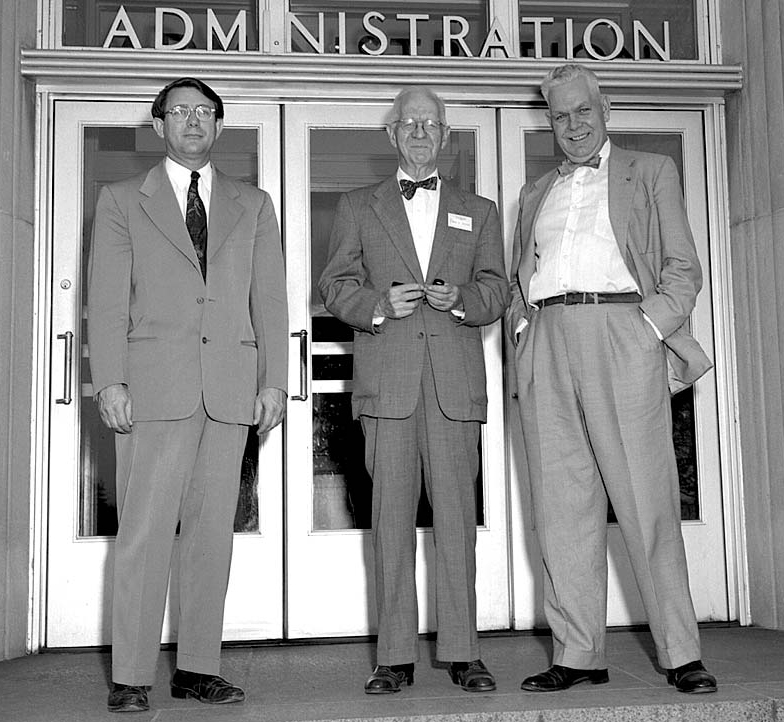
{"points": [[111, 154], [395, 32], [607, 40], [87, 23], [542, 154], [343, 159]]}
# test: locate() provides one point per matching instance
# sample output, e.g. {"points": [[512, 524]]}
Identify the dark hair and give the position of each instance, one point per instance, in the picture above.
{"points": [[159, 104]]}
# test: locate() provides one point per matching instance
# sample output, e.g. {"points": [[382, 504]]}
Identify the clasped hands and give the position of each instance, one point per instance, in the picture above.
{"points": [[402, 299]]}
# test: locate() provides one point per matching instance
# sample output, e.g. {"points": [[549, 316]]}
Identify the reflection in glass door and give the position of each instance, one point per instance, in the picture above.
{"points": [[328, 490], [98, 143], [532, 151]]}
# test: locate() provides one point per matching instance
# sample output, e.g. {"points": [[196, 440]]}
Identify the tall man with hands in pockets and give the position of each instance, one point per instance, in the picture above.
{"points": [[604, 276], [416, 269], [188, 335]]}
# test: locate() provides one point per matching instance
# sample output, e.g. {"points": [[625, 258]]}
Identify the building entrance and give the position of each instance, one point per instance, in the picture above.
{"points": [[302, 557]]}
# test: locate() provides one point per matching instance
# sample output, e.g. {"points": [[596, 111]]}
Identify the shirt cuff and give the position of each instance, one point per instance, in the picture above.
{"points": [[520, 328], [653, 326]]}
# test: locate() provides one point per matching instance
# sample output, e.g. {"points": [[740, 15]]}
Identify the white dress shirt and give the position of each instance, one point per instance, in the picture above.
{"points": [[180, 179], [575, 245], [422, 212]]}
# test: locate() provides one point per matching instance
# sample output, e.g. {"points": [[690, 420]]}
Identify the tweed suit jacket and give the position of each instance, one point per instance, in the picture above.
{"points": [[652, 230], [371, 247], [153, 322]]}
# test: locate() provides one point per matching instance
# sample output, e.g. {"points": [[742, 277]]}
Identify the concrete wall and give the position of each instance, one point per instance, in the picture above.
{"points": [[17, 133], [752, 36]]}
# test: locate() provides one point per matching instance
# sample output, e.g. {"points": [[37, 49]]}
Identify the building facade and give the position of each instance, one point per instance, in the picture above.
{"points": [[307, 85]]}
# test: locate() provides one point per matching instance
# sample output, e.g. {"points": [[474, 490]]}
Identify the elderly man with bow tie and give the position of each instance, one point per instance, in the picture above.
{"points": [[416, 269], [604, 277]]}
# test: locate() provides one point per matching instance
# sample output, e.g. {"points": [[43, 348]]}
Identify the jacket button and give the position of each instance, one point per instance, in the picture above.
{"points": [[421, 334], [200, 300], [204, 339]]}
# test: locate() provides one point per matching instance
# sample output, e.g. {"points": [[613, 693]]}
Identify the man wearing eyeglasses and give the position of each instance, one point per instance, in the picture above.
{"points": [[604, 276], [188, 331], [416, 269]]}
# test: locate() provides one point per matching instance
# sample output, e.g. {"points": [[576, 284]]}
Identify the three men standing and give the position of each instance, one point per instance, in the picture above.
{"points": [[416, 269], [604, 277], [188, 337]]}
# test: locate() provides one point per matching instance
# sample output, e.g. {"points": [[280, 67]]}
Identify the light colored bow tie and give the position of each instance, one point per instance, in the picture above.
{"points": [[568, 167]]}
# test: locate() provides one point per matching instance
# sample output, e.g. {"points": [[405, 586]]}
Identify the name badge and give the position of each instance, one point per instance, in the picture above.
{"points": [[463, 223]]}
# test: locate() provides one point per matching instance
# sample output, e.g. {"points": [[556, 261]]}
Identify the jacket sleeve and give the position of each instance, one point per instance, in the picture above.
{"points": [[679, 276], [268, 301], [108, 293], [343, 282], [486, 296]]}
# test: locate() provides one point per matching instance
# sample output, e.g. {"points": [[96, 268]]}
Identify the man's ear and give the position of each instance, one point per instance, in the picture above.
{"points": [[445, 135], [391, 135], [218, 127], [157, 124]]}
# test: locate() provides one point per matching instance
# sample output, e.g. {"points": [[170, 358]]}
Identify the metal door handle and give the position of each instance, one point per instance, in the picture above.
{"points": [[67, 367], [303, 365]]}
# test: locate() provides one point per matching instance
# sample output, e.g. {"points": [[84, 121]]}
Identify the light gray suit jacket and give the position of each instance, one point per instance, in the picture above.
{"points": [[649, 221], [371, 246], [155, 325]]}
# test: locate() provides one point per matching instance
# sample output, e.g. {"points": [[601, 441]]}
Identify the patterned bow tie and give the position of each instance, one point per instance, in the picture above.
{"points": [[408, 188], [568, 167]]}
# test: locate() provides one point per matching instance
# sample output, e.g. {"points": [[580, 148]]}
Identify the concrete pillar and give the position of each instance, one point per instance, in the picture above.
{"points": [[17, 183], [752, 36]]}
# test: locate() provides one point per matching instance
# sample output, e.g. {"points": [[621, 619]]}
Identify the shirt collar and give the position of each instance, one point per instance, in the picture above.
{"points": [[402, 175], [180, 176]]}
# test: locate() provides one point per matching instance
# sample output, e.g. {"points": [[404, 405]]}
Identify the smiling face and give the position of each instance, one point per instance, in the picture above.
{"points": [[188, 142], [418, 147], [578, 118]]}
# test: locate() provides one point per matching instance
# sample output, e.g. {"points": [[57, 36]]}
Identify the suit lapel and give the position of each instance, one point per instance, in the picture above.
{"points": [[528, 217], [225, 211], [387, 204], [620, 189], [451, 201], [162, 208]]}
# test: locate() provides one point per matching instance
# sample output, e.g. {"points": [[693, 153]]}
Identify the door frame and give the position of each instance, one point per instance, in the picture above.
{"points": [[723, 326], [67, 119], [713, 326], [302, 541]]}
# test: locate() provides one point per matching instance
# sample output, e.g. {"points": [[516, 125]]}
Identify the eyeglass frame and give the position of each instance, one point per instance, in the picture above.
{"points": [[428, 124], [176, 110]]}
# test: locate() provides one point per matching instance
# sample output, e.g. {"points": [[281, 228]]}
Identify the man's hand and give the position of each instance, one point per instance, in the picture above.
{"points": [[115, 407], [444, 296], [269, 409], [401, 300]]}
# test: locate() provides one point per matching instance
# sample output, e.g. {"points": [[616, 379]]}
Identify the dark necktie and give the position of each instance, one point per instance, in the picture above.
{"points": [[196, 222], [568, 167], [408, 188]]}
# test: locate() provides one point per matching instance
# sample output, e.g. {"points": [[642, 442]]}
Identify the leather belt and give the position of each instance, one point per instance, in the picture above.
{"points": [[574, 297]]}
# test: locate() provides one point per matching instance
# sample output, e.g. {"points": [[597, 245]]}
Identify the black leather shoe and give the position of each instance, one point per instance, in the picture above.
{"points": [[127, 698], [472, 676], [691, 678], [558, 677], [387, 679], [207, 688]]}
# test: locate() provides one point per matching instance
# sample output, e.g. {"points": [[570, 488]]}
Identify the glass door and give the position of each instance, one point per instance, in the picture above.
{"points": [[330, 149], [96, 143], [530, 150]]}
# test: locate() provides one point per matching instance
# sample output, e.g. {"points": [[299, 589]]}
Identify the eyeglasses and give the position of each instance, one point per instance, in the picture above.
{"points": [[409, 125], [182, 113]]}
